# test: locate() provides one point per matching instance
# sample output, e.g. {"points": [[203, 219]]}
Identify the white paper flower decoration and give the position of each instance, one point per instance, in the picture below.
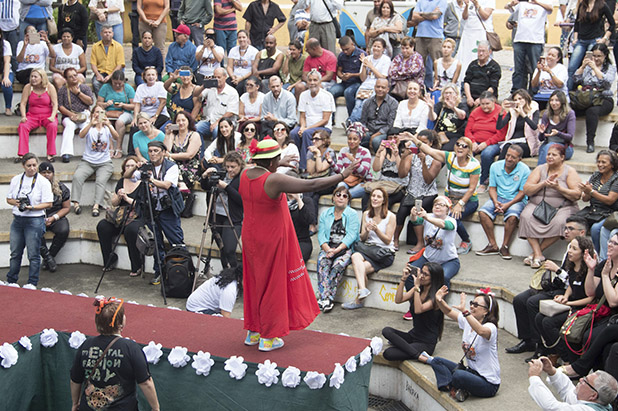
{"points": [[8, 354], [202, 363], [314, 380], [365, 356], [47, 290], [178, 357], [153, 352], [82, 295], [174, 308], [235, 366], [14, 285], [338, 376], [2, 282], [99, 297], [290, 377], [66, 292], [151, 305], [29, 287], [344, 334], [77, 339], [376, 345], [132, 302], [267, 373], [49, 337], [350, 364], [26, 343]]}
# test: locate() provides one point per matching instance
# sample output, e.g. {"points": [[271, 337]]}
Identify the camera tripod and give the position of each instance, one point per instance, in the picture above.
{"points": [[210, 224], [144, 190]]}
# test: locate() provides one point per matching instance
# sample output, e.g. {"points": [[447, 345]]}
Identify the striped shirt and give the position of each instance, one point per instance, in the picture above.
{"points": [[364, 162], [459, 176], [228, 21]]}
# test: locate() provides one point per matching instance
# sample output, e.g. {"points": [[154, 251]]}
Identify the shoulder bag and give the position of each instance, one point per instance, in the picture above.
{"points": [[119, 215], [335, 21], [544, 212], [549, 307], [492, 38], [372, 251], [577, 329], [102, 396]]}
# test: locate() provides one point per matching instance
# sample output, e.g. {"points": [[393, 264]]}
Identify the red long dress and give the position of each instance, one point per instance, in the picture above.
{"points": [[278, 296]]}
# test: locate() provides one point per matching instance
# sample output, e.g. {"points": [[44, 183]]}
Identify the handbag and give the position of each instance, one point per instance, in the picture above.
{"points": [[611, 222], [400, 89], [577, 329], [590, 213], [52, 27], [582, 99], [372, 251], [81, 117], [408, 201], [119, 215], [544, 212], [145, 242], [353, 180], [389, 186], [99, 397], [492, 38], [549, 308], [334, 20]]}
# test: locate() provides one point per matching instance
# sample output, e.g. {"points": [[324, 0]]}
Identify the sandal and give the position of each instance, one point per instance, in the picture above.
{"points": [[136, 274], [117, 154], [536, 263], [17, 160], [77, 209], [95, 211], [51, 159], [528, 260]]}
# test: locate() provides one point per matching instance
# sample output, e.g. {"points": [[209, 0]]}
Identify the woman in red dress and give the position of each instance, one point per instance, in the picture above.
{"points": [[278, 296]]}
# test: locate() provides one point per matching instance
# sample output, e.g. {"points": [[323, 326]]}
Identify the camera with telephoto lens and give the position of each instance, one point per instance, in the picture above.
{"points": [[23, 203], [146, 170]]}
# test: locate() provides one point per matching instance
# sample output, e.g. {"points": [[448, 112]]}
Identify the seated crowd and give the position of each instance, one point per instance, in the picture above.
{"points": [[200, 106]]}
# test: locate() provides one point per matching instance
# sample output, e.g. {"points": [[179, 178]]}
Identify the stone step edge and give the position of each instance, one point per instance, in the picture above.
{"points": [[385, 275], [407, 367]]}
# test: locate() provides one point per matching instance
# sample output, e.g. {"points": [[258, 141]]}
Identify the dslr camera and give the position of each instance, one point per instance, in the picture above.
{"points": [[23, 203], [146, 171], [215, 177]]}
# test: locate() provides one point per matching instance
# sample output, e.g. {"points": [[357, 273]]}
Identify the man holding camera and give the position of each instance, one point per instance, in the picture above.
{"points": [[209, 56], [163, 175]]}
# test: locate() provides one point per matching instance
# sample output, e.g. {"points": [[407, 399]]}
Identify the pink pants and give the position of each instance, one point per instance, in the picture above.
{"points": [[35, 121]]}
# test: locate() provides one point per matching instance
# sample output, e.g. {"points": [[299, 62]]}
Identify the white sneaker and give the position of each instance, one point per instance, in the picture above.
{"points": [[363, 293]]}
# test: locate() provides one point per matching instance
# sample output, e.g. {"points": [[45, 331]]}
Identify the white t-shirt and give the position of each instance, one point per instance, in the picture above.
{"points": [[9, 18], [290, 150], [243, 65], [6, 48], [530, 23], [64, 61], [112, 18], [209, 296], [34, 57], [473, 22], [382, 65], [39, 192], [253, 109], [313, 107], [97, 145], [417, 118], [209, 63], [148, 98], [545, 84], [483, 356]]}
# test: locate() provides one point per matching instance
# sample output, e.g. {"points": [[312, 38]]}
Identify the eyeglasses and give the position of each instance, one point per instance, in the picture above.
{"points": [[423, 274], [569, 228], [279, 130], [341, 195], [476, 305], [250, 129], [440, 205], [585, 379], [461, 145], [316, 139], [612, 243], [249, 85]]}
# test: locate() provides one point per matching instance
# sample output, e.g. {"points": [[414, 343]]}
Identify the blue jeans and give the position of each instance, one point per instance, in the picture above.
{"points": [[118, 31], [469, 209], [355, 192], [579, 51], [447, 375], [40, 24], [303, 142], [605, 235], [169, 224], [520, 51], [545, 147], [348, 92], [8, 93], [357, 111], [375, 142], [451, 268], [203, 128], [26, 232], [225, 39], [487, 158]]}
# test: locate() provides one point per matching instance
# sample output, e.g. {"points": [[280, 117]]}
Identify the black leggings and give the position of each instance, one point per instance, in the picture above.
{"points": [[592, 117], [107, 231], [404, 211], [228, 253], [404, 346], [602, 352], [315, 197], [61, 230]]}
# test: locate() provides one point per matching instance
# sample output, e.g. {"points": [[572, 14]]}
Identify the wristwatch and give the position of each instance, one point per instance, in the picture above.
{"points": [[461, 203]]}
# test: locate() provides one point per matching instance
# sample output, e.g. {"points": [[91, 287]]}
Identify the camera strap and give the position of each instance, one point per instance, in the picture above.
{"points": [[21, 182]]}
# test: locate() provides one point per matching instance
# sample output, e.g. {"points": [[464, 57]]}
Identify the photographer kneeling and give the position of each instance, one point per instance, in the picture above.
{"points": [[162, 174], [227, 184], [30, 195]]}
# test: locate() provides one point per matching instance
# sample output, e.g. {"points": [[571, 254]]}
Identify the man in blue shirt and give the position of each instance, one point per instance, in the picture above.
{"points": [[506, 192], [428, 18], [348, 70], [181, 52]]}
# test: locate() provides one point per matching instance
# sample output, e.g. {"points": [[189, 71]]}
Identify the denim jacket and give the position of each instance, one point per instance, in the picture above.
{"points": [[350, 221]]}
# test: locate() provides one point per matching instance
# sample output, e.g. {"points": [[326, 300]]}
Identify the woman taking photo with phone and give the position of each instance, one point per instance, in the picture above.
{"points": [[427, 317]]}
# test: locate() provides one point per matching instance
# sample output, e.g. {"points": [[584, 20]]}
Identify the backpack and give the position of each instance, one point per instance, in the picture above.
{"points": [[178, 272]]}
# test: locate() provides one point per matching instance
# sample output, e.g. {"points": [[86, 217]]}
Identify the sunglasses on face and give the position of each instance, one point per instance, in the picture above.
{"points": [[316, 139], [461, 145], [341, 195], [250, 129], [279, 130], [476, 305]]}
